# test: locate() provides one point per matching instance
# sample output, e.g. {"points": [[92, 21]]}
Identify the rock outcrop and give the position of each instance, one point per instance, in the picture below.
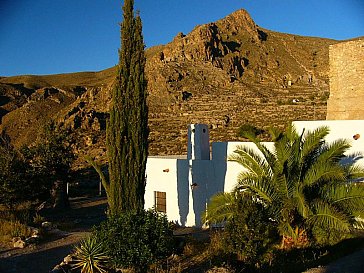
{"points": [[230, 70]]}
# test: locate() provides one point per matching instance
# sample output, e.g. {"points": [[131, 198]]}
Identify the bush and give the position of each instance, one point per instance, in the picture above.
{"points": [[136, 240], [15, 184], [249, 130], [250, 234], [325, 237]]}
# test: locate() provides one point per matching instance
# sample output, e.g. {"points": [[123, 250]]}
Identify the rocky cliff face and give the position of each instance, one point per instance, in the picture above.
{"points": [[225, 74]]}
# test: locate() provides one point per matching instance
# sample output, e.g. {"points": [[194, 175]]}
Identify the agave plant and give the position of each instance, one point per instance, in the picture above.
{"points": [[303, 181], [90, 256]]}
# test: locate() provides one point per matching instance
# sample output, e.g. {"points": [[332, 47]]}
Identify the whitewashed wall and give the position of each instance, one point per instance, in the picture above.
{"points": [[190, 183], [162, 176], [345, 129]]}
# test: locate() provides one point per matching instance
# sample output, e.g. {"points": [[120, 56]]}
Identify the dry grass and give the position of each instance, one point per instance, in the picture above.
{"points": [[10, 229], [13, 223]]}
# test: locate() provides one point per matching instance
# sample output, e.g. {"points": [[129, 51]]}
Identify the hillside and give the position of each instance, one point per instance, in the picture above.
{"points": [[225, 74]]}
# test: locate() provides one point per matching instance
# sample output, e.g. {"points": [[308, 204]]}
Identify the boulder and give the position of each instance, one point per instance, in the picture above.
{"points": [[47, 225], [31, 240], [35, 232], [20, 244]]}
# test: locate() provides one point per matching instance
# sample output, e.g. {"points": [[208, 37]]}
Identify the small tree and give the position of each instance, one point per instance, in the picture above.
{"points": [[49, 162], [13, 180], [127, 129]]}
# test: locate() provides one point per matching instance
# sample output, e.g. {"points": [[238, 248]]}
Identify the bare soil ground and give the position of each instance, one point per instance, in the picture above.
{"points": [[75, 224]]}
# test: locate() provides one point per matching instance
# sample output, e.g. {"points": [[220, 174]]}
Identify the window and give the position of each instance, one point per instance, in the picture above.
{"points": [[160, 201]]}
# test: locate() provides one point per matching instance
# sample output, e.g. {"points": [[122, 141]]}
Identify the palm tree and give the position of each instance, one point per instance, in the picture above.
{"points": [[303, 182], [221, 208]]}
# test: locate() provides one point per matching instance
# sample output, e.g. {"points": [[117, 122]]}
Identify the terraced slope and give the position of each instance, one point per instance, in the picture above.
{"points": [[224, 74]]}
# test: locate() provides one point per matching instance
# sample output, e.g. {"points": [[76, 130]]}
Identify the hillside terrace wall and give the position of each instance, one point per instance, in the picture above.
{"points": [[346, 81]]}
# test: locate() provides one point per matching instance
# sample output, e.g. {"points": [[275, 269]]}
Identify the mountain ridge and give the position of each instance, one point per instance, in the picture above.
{"points": [[225, 73]]}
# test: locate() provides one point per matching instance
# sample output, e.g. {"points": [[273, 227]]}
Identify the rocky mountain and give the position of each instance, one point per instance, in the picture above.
{"points": [[227, 73]]}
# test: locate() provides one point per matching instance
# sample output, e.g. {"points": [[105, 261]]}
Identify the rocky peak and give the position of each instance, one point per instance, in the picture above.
{"points": [[237, 22]]}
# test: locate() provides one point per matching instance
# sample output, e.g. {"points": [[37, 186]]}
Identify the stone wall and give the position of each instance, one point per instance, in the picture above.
{"points": [[346, 101]]}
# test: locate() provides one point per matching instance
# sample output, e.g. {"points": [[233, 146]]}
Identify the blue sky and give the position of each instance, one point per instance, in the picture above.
{"points": [[60, 36]]}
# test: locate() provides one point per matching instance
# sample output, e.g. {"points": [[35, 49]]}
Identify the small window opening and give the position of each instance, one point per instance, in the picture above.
{"points": [[204, 130], [160, 201]]}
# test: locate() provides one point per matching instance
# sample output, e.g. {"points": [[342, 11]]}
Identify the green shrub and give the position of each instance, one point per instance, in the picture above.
{"points": [[38, 220], [249, 130], [327, 237], [250, 234], [136, 240]]}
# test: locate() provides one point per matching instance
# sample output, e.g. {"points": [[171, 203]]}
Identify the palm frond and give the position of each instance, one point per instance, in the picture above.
{"points": [[328, 217], [281, 184], [286, 230], [334, 151], [281, 151], [268, 156], [313, 140], [301, 203], [354, 171], [349, 197], [221, 208], [250, 160], [291, 133], [250, 135], [323, 170], [294, 156], [259, 187], [275, 133], [358, 223]]}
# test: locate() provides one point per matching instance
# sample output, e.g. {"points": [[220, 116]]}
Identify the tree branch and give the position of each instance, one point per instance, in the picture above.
{"points": [[105, 182]]}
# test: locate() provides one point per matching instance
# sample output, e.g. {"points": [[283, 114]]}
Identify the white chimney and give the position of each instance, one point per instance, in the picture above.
{"points": [[198, 145]]}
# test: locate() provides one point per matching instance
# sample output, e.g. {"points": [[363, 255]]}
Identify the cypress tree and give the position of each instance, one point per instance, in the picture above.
{"points": [[127, 128]]}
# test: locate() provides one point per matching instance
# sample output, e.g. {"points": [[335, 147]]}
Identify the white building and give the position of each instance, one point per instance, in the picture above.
{"points": [[181, 186]]}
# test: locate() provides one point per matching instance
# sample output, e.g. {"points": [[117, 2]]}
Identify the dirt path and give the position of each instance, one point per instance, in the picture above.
{"points": [[353, 263], [83, 215], [40, 259]]}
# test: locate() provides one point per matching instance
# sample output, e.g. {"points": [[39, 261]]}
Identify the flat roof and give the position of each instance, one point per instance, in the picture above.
{"points": [[169, 156]]}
